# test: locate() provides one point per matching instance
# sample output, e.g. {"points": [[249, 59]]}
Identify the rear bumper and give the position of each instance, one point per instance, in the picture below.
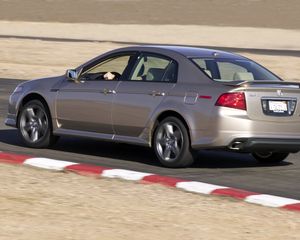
{"points": [[265, 144], [230, 125]]}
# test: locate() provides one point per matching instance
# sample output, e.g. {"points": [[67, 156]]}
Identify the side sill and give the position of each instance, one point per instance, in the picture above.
{"points": [[100, 136]]}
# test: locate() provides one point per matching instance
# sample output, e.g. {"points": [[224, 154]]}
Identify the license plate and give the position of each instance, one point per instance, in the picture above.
{"points": [[278, 106]]}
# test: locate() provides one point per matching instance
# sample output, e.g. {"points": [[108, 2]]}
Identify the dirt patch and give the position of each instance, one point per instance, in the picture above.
{"points": [[35, 203], [30, 59], [196, 35]]}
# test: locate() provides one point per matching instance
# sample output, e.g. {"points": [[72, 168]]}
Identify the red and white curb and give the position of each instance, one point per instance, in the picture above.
{"points": [[189, 186]]}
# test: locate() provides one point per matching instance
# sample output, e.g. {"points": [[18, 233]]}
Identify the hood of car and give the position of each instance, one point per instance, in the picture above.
{"points": [[48, 83]]}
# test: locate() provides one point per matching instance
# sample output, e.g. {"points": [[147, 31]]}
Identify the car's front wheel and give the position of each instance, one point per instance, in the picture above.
{"points": [[172, 144], [269, 157], [34, 125]]}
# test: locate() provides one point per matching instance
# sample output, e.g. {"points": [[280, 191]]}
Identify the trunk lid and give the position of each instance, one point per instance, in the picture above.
{"points": [[276, 101]]}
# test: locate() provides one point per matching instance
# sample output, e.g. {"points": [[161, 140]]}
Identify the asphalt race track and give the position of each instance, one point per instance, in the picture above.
{"points": [[221, 168]]}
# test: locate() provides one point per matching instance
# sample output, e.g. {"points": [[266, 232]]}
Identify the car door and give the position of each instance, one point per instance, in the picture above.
{"points": [[150, 80], [86, 105]]}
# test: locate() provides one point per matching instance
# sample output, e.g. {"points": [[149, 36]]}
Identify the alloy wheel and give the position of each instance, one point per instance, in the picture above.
{"points": [[169, 141], [33, 123]]}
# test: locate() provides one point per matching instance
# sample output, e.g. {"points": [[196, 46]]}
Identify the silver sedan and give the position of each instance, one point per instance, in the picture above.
{"points": [[175, 99]]}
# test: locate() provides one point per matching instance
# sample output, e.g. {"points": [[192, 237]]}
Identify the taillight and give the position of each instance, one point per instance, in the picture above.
{"points": [[232, 100]]}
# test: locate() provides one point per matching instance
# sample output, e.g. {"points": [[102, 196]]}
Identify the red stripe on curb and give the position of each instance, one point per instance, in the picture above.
{"points": [[86, 169], [294, 207], [167, 181], [232, 192], [13, 158]]}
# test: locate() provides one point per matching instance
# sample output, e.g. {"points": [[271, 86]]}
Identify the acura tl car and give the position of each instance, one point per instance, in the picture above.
{"points": [[174, 99]]}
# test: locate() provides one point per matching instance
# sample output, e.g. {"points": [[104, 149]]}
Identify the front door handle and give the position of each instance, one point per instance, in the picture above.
{"points": [[157, 93], [108, 91]]}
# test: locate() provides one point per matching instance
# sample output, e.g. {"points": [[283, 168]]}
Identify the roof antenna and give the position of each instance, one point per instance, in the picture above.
{"points": [[215, 54]]}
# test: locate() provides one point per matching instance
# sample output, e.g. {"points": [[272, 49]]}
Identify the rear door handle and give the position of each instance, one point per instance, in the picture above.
{"points": [[157, 93], [108, 91]]}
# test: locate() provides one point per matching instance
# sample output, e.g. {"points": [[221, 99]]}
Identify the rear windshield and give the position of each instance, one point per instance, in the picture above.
{"points": [[233, 69]]}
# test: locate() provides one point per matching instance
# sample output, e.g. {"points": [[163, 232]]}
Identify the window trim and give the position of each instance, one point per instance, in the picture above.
{"points": [[135, 54]]}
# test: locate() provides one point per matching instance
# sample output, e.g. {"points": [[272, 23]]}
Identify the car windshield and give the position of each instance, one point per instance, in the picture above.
{"points": [[222, 69]]}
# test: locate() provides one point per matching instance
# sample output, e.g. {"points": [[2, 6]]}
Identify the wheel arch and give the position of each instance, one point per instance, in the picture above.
{"points": [[30, 97], [165, 114]]}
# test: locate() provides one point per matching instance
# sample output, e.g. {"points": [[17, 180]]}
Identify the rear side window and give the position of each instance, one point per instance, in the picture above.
{"points": [[203, 66], [154, 68]]}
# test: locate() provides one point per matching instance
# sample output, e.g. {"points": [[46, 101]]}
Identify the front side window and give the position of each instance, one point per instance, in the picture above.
{"points": [[233, 69], [154, 68], [114, 67]]}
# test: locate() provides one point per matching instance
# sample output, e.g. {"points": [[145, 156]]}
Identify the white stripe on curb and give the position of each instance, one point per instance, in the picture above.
{"points": [[198, 187], [124, 174], [270, 201], [48, 163]]}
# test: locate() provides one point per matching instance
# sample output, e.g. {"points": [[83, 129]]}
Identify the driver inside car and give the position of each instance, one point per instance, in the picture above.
{"points": [[109, 76]]}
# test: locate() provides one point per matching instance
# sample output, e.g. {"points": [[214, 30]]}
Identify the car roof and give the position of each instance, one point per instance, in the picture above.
{"points": [[191, 52]]}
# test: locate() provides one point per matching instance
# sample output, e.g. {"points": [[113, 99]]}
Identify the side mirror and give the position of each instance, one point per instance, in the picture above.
{"points": [[73, 75]]}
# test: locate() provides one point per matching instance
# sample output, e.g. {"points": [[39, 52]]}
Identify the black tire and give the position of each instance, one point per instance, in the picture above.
{"points": [[35, 117], [269, 157], [178, 143]]}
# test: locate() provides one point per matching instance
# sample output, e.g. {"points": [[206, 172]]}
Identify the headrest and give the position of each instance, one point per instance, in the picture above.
{"points": [[246, 76], [155, 74]]}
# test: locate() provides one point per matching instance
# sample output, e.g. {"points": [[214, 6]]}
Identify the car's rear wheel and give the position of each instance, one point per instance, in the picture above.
{"points": [[269, 157], [172, 144], [34, 124]]}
